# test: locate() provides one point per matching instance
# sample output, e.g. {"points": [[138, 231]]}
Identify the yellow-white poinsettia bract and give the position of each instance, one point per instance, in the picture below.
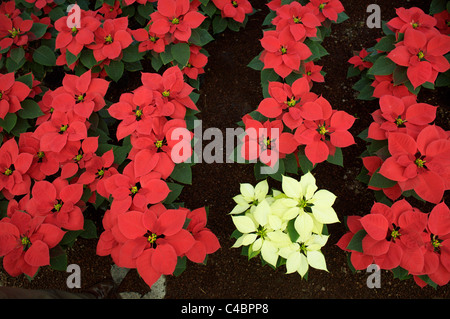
{"points": [[250, 196]]}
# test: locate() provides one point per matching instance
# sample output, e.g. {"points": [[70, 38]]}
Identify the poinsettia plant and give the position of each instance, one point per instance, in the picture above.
{"points": [[68, 150], [285, 227]]}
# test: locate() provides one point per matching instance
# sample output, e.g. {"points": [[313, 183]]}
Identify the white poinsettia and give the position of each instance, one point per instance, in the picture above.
{"points": [[258, 233], [303, 196], [250, 196], [302, 255]]}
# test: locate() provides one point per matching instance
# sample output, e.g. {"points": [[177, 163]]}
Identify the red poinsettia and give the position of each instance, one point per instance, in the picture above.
{"points": [[423, 54], [372, 164], [110, 11], [82, 155], [282, 53], [9, 9], [326, 9], [177, 18], [14, 31], [384, 85], [149, 41], [442, 22], [75, 39], [413, 18], [14, 166], [58, 203], [400, 115], [26, 242], [358, 60], [155, 238], [312, 73], [205, 241], [234, 9], [299, 20], [170, 91], [394, 235], [266, 141], [288, 102], [61, 129], [324, 131], [111, 38], [81, 95], [12, 92], [420, 164]]}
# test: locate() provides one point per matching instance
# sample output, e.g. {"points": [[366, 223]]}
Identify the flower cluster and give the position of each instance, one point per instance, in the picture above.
{"points": [[285, 227], [59, 156], [306, 130], [407, 153], [402, 237]]}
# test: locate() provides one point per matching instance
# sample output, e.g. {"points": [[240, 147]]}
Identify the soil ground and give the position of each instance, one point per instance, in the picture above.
{"points": [[230, 90]]}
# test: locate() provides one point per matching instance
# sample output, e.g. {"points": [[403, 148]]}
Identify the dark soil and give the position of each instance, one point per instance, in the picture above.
{"points": [[230, 90]]}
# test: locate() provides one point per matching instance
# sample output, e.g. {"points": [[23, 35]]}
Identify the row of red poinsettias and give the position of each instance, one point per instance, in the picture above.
{"points": [[413, 155]]}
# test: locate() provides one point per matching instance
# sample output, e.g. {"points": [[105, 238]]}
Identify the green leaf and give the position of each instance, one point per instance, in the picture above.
{"points": [[379, 181], [219, 24], [290, 164], [200, 37], [305, 164], [30, 110], [166, 56], [352, 71], [175, 191], [45, 56], [87, 59], [292, 232], [256, 63], [181, 53], [382, 66], [386, 43], [89, 230], [17, 54], [8, 122], [356, 241], [132, 54], [182, 173], [38, 29], [115, 70], [399, 76], [181, 266], [337, 158], [58, 259]]}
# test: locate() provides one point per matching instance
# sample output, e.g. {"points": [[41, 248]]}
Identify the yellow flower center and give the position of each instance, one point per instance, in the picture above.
{"points": [[415, 25], [399, 121], [297, 19], [158, 144], [8, 172], [25, 241], [138, 113], [78, 157], [234, 3], [420, 162], [291, 102], [134, 190], [152, 238], [166, 93], [74, 29], [57, 207], [108, 39], [40, 154], [283, 50], [322, 5], [14, 32], [175, 21], [64, 128], [322, 130], [421, 55]]}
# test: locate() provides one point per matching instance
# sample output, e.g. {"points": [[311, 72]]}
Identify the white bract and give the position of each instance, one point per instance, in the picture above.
{"points": [[250, 196], [269, 224]]}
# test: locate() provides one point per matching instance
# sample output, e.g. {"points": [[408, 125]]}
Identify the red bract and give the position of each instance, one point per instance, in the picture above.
{"points": [[384, 85], [81, 156], [205, 241], [40, 3], [358, 60], [282, 53], [234, 9], [299, 20], [421, 164], [58, 203], [14, 166], [177, 18], [81, 95], [171, 92], [323, 123], [324, 9], [111, 38], [400, 115], [14, 31], [423, 54], [287, 102], [413, 18], [75, 39], [110, 12], [12, 92], [25, 243], [442, 19], [9, 9], [134, 112]]}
